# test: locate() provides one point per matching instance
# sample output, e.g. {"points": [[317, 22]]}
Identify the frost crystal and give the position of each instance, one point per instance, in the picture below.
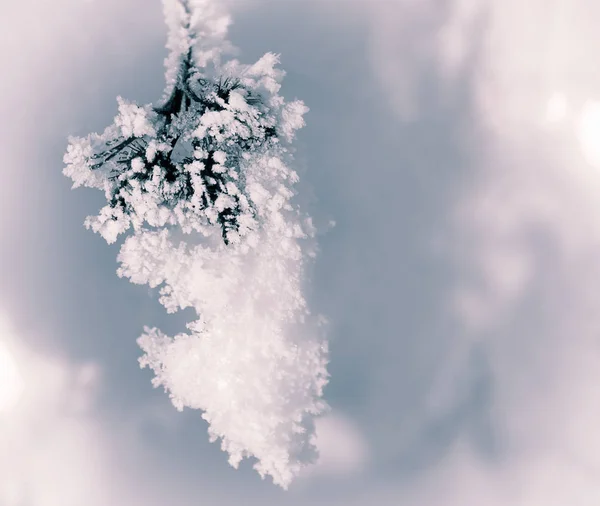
{"points": [[210, 163]]}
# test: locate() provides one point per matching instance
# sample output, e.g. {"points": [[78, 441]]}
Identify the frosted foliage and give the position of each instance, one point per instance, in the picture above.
{"points": [[201, 24], [203, 185], [188, 162]]}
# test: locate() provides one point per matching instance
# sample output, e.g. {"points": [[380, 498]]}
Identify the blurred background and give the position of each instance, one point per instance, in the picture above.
{"points": [[455, 143]]}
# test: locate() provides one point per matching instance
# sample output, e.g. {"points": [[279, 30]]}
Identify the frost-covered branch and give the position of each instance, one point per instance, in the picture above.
{"points": [[212, 160]]}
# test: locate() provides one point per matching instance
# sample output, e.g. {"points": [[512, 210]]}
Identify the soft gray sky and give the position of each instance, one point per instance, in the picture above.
{"points": [[455, 144]]}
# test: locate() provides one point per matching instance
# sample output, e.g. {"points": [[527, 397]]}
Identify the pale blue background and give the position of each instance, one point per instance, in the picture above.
{"points": [[384, 274]]}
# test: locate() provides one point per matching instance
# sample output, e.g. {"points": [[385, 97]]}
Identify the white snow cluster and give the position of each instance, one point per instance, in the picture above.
{"points": [[202, 182]]}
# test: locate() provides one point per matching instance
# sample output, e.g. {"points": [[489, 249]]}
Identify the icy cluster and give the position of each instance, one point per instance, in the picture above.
{"points": [[202, 184]]}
